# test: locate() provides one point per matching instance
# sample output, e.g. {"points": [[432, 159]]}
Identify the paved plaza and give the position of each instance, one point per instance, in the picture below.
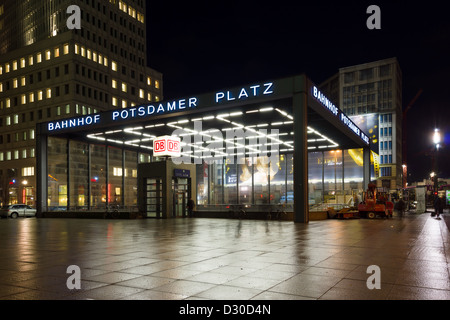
{"points": [[225, 259]]}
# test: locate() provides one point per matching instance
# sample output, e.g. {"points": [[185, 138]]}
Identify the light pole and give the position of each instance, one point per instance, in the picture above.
{"points": [[436, 141]]}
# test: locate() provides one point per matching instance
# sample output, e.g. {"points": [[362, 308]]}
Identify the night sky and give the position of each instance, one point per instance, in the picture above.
{"points": [[203, 46]]}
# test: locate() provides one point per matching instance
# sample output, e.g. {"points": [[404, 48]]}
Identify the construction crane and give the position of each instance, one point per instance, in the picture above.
{"points": [[404, 131]]}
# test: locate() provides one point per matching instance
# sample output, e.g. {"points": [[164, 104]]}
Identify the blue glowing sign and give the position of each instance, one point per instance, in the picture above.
{"points": [[73, 123], [246, 92], [320, 97], [144, 111]]}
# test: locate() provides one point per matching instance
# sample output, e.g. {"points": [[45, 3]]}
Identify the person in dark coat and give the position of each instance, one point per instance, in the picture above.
{"points": [[190, 207], [438, 206]]}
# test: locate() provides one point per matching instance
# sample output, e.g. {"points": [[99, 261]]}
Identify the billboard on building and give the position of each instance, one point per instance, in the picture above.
{"points": [[369, 124]]}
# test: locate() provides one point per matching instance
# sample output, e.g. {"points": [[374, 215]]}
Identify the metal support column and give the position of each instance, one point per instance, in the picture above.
{"points": [[41, 173], [300, 105], [366, 168]]}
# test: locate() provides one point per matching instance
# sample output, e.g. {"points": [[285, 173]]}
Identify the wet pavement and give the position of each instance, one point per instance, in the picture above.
{"points": [[226, 259]]}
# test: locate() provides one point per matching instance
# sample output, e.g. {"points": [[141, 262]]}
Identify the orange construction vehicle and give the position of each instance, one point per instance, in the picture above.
{"points": [[375, 204]]}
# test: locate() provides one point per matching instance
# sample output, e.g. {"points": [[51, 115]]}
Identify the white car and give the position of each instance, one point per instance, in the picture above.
{"points": [[17, 210]]}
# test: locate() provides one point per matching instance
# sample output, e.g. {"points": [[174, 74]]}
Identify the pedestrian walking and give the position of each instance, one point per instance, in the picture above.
{"points": [[190, 207], [400, 207], [438, 206]]}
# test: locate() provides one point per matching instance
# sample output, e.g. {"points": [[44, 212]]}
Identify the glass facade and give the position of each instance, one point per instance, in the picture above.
{"points": [[95, 176]]}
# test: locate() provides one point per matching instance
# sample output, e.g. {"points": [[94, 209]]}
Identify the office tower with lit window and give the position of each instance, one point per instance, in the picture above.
{"points": [[48, 71], [374, 90]]}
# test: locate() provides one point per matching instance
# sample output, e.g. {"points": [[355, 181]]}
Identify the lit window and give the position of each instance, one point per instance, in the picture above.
{"points": [[32, 152], [83, 52], [124, 104], [31, 97], [23, 99], [114, 84], [156, 98], [40, 95], [39, 57], [149, 81], [56, 52], [8, 120], [114, 101], [1, 87], [24, 154], [66, 48], [157, 84], [114, 66], [32, 138], [8, 103], [141, 93], [47, 55], [16, 119], [16, 154], [27, 171], [124, 87], [100, 59], [8, 155], [22, 63], [14, 65], [94, 56], [15, 83], [77, 49], [23, 81], [105, 61], [149, 96], [30, 60], [7, 67], [49, 93], [2, 156], [1, 70], [67, 108], [89, 54]]}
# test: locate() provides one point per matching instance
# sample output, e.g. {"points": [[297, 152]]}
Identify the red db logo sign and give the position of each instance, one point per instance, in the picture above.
{"points": [[167, 146]]}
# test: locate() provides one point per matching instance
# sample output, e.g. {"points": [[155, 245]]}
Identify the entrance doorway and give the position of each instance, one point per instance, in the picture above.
{"points": [[154, 197], [181, 190]]}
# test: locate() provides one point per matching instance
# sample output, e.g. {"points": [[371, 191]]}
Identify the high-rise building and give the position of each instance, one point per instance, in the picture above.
{"points": [[50, 71], [374, 90]]}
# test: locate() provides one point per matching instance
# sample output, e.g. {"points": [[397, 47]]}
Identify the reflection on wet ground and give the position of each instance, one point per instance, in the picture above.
{"points": [[225, 258]]}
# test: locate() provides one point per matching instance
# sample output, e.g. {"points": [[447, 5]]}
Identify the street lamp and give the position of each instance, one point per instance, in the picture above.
{"points": [[436, 141]]}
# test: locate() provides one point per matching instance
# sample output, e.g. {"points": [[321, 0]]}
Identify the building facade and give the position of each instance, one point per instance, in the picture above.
{"points": [[371, 93], [48, 71], [266, 146]]}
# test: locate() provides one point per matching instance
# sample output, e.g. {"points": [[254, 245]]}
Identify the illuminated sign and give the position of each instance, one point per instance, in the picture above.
{"points": [[246, 92], [74, 123], [167, 146], [325, 101], [320, 97], [144, 111]]}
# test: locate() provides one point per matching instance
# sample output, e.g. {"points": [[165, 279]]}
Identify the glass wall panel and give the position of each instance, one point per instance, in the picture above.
{"points": [[261, 180], [315, 175], [290, 182], [278, 181], [131, 160], [79, 175], [332, 161], [353, 163], [216, 172], [230, 185], [114, 189], [98, 176], [245, 181], [57, 174], [202, 183]]}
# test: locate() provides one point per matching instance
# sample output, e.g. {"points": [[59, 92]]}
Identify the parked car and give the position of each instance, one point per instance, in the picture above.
{"points": [[17, 210]]}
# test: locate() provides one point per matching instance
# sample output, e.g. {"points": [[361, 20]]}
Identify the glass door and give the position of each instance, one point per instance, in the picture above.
{"points": [[154, 197]]}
